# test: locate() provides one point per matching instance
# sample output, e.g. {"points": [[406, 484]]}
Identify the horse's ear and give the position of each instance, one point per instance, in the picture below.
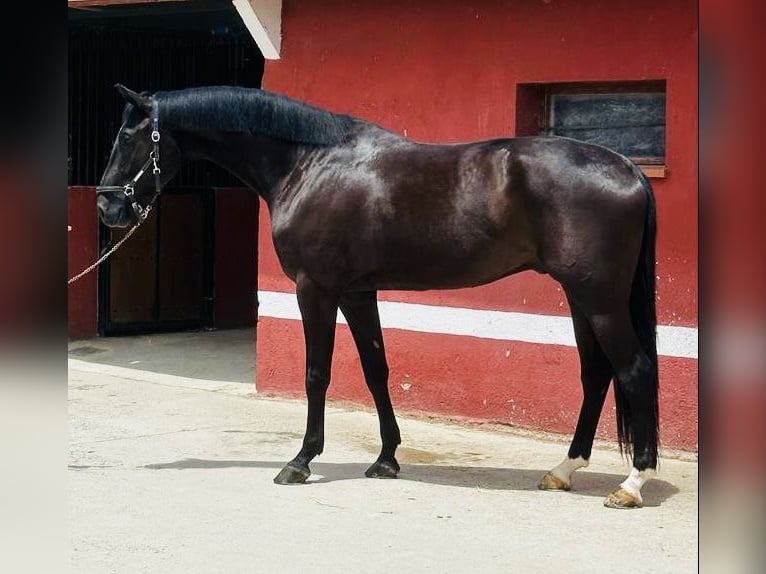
{"points": [[141, 101]]}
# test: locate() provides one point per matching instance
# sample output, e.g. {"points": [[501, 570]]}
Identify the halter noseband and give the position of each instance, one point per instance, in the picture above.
{"points": [[154, 159]]}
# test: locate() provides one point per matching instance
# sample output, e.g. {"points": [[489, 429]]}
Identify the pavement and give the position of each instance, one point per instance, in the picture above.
{"points": [[172, 457]]}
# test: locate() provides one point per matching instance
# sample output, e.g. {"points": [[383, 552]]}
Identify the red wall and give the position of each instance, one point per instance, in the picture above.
{"points": [[446, 72], [82, 252]]}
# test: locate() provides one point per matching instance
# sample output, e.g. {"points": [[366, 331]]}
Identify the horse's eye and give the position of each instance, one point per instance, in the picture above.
{"points": [[126, 136]]}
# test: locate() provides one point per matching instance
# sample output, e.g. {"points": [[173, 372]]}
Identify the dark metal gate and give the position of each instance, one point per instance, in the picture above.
{"points": [[162, 279]]}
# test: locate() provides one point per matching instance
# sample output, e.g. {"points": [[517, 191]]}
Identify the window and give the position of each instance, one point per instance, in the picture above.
{"points": [[628, 117]]}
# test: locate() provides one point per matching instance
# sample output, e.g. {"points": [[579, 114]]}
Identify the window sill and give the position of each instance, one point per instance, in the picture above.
{"points": [[654, 171]]}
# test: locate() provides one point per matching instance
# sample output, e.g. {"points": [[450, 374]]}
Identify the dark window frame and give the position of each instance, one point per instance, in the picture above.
{"points": [[598, 88], [533, 108]]}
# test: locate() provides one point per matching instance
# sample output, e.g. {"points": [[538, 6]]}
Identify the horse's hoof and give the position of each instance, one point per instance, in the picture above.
{"points": [[292, 474], [383, 469], [553, 482], [621, 498]]}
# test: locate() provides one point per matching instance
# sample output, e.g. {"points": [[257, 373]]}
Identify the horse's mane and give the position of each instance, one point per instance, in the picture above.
{"points": [[252, 111]]}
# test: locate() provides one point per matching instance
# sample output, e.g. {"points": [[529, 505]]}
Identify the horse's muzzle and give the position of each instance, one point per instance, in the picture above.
{"points": [[113, 213]]}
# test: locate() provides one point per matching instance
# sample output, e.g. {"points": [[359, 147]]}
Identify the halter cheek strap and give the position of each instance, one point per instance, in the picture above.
{"points": [[153, 161]]}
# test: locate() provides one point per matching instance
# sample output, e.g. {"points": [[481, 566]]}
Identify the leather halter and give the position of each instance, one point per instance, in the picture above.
{"points": [[154, 160]]}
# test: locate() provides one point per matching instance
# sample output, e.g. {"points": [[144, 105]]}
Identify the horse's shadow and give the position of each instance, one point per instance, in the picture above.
{"points": [[585, 483]]}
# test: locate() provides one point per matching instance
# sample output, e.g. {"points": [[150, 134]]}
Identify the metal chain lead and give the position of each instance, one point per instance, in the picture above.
{"points": [[105, 255], [116, 245]]}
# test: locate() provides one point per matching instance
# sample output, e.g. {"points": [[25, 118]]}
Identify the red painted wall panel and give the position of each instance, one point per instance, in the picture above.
{"points": [[508, 382], [82, 251]]}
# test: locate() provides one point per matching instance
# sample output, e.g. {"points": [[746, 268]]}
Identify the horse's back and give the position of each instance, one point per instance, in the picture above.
{"points": [[395, 214]]}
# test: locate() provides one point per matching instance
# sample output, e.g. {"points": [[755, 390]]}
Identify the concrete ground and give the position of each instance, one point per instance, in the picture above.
{"points": [[172, 459]]}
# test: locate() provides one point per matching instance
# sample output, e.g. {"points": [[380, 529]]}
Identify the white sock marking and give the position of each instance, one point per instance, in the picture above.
{"points": [[567, 467], [636, 480]]}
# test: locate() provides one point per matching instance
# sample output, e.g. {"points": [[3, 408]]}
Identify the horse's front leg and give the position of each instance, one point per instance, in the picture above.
{"points": [[361, 312], [319, 309]]}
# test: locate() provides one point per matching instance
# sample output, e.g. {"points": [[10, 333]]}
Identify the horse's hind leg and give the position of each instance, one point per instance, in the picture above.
{"points": [[361, 312], [319, 309], [635, 393], [595, 373]]}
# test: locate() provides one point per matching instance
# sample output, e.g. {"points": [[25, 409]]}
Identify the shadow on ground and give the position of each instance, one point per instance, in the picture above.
{"points": [[227, 355], [490, 478]]}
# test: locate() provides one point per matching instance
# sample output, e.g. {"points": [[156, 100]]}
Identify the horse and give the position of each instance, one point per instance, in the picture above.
{"points": [[356, 209]]}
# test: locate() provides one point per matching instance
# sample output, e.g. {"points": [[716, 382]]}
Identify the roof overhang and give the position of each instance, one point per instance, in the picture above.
{"points": [[263, 19]]}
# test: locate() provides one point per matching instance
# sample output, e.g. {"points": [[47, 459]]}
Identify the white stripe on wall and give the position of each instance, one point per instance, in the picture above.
{"points": [[503, 325]]}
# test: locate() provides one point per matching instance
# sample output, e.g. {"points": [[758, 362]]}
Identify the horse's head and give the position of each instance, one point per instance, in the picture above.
{"points": [[136, 170]]}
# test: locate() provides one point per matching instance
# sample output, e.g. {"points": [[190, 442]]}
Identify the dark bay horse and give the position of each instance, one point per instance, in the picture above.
{"points": [[356, 209]]}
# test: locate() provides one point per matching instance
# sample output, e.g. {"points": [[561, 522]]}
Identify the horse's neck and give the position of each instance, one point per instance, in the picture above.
{"points": [[260, 162]]}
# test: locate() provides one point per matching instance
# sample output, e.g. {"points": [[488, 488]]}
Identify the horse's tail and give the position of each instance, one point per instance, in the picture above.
{"points": [[644, 316]]}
